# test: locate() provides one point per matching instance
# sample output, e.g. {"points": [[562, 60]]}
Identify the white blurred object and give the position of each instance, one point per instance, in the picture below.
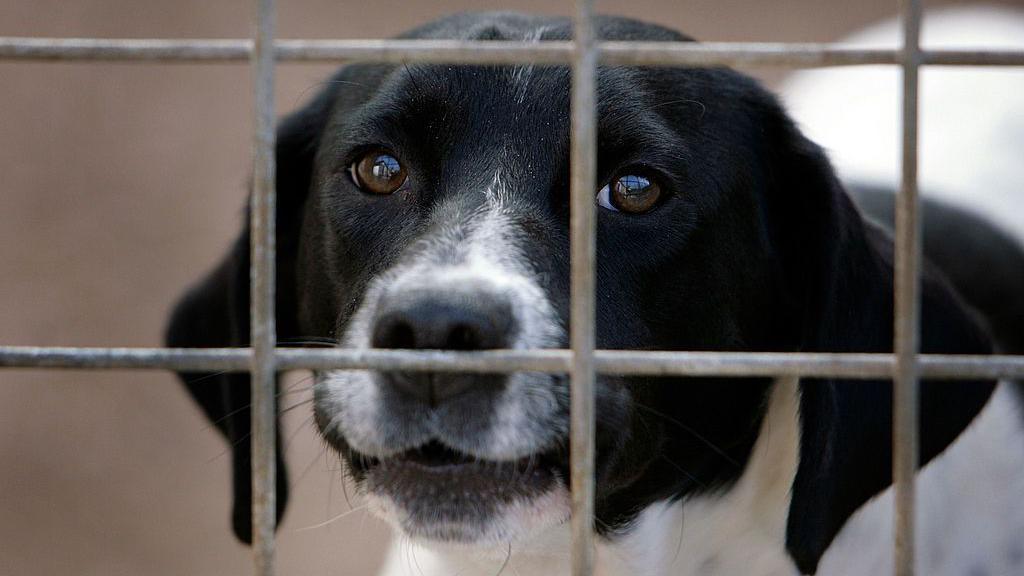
{"points": [[971, 118], [969, 517]]}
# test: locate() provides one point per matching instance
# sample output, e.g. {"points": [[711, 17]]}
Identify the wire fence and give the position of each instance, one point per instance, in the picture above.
{"points": [[905, 366]]}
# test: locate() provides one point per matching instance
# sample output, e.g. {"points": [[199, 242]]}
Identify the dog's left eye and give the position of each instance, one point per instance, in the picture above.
{"points": [[629, 193], [377, 172]]}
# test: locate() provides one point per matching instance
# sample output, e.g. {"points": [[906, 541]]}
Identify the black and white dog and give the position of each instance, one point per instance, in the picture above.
{"points": [[427, 207]]}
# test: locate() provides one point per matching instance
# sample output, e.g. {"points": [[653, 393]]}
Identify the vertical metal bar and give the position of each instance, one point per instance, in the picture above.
{"points": [[263, 332], [908, 255], [584, 185]]}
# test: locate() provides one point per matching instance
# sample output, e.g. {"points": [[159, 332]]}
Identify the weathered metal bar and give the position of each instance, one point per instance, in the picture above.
{"points": [[477, 52], [968, 57], [907, 301], [583, 173], [626, 362], [177, 359], [262, 276], [705, 54]]}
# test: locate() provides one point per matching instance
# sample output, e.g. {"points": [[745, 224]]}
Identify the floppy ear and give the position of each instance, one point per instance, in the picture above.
{"points": [[840, 269], [215, 312]]}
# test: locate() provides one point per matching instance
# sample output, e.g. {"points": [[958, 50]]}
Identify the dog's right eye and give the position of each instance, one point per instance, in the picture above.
{"points": [[377, 172]]}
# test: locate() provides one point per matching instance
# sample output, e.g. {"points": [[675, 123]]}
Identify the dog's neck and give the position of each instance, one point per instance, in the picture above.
{"points": [[737, 531]]}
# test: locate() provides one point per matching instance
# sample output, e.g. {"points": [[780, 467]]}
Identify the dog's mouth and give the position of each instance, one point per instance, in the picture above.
{"points": [[448, 469], [439, 493]]}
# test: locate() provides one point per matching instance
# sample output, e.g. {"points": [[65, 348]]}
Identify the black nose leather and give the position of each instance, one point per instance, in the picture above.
{"points": [[443, 320]]}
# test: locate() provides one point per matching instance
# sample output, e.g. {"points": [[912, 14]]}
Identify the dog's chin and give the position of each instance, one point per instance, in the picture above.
{"points": [[435, 494]]}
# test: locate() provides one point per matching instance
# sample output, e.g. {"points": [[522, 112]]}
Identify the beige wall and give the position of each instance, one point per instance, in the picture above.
{"points": [[121, 183]]}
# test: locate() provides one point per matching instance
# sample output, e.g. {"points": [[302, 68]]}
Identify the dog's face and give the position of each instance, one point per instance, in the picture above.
{"points": [[427, 207], [438, 218]]}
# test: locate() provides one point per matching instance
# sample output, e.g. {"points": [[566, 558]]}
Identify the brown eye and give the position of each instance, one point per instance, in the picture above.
{"points": [[629, 193], [378, 173]]}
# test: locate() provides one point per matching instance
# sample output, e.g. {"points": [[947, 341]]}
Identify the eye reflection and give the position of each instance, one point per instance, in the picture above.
{"points": [[630, 193], [378, 172], [385, 167]]}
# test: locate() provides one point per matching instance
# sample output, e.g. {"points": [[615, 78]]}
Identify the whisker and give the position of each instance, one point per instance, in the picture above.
{"points": [[306, 470], [289, 390], [692, 432], [683, 470], [302, 94], [310, 341], [332, 520], [247, 435], [682, 525], [412, 552], [295, 433], [344, 482], [504, 564], [198, 379], [294, 406]]}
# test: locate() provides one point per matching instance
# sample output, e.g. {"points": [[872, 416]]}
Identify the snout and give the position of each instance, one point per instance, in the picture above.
{"points": [[445, 455], [464, 318]]}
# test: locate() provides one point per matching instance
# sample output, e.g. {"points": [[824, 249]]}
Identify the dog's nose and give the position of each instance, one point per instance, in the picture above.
{"points": [[457, 319], [443, 320]]}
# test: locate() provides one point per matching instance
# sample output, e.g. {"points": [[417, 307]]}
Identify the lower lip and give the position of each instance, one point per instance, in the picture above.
{"points": [[466, 503], [458, 484]]}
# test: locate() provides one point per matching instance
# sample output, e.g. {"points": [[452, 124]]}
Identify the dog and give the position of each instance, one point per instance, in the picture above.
{"points": [[426, 207]]}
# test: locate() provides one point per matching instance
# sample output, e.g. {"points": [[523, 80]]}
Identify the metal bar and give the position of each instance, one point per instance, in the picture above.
{"points": [[262, 276], [907, 301], [623, 362], [967, 57], [480, 52], [706, 54], [583, 171], [177, 359]]}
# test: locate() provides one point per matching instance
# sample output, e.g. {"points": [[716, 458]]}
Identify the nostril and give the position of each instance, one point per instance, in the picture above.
{"points": [[463, 337], [394, 333]]}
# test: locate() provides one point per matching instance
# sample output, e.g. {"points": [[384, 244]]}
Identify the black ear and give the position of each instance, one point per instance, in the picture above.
{"points": [[840, 269], [215, 312]]}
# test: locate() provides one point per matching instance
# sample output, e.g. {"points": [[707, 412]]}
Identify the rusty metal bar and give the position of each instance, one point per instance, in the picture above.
{"points": [[583, 171], [262, 276], [907, 301], [478, 52], [624, 362]]}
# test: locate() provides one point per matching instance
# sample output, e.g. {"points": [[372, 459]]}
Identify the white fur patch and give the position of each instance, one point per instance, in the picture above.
{"points": [[741, 531], [525, 525]]}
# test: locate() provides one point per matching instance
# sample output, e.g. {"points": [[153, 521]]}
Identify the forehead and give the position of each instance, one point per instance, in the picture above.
{"points": [[521, 110]]}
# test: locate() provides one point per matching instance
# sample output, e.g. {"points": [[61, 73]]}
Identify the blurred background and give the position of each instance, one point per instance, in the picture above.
{"points": [[122, 183]]}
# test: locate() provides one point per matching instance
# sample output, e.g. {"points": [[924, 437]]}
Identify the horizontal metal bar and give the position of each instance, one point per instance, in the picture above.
{"points": [[487, 52], [178, 359], [627, 362], [977, 57], [740, 54], [393, 51]]}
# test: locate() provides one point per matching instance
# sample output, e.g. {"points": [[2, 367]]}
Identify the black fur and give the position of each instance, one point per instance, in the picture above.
{"points": [[757, 247]]}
